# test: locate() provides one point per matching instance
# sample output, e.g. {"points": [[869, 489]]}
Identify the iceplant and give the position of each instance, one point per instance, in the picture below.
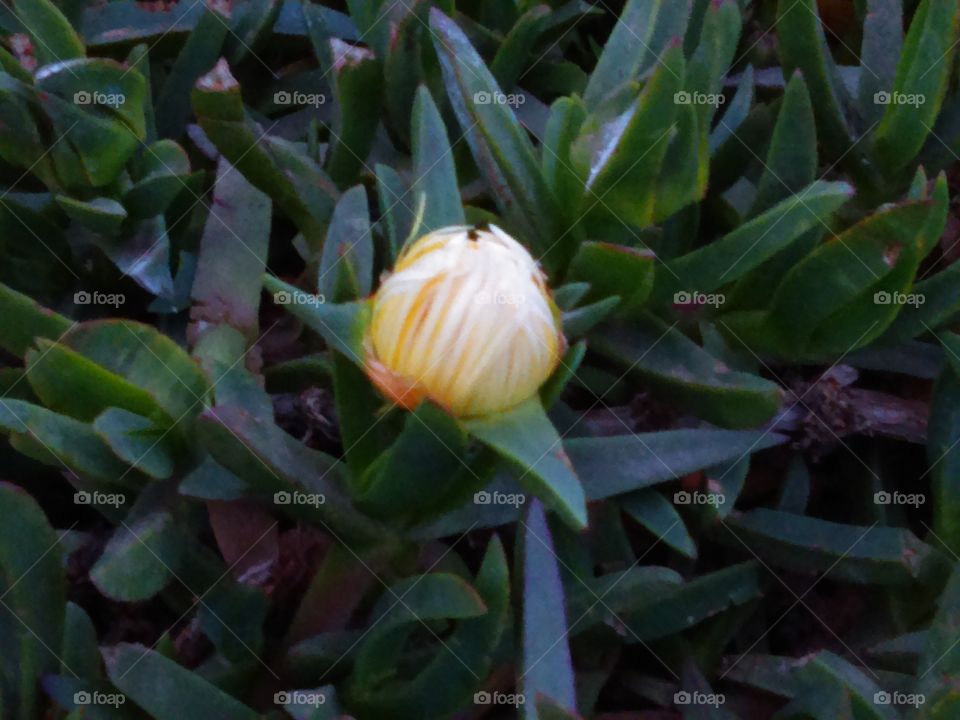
{"points": [[465, 319]]}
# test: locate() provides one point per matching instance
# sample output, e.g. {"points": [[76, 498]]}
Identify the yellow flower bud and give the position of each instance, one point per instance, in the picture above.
{"points": [[465, 320]]}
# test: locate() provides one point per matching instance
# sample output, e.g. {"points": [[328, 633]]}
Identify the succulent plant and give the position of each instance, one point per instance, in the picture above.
{"points": [[422, 360]]}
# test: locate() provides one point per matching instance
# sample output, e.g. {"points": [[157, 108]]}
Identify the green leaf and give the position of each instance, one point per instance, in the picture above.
{"points": [[135, 563], [198, 55], [233, 254], [676, 608], [423, 598], [737, 253], [921, 83], [445, 685], [826, 305], [638, 40], [803, 47], [101, 215], [614, 270], [736, 115], [433, 168], [943, 456], [623, 142], [879, 53], [869, 555], [137, 441], [60, 440], [34, 595], [526, 437], [102, 88], [660, 517], [683, 176], [827, 686], [939, 663], [54, 39], [69, 383], [346, 267], [551, 390], [791, 164], [80, 651], [403, 65], [146, 359], [500, 146], [669, 362], [416, 476], [546, 667], [514, 53], [341, 325], [168, 691], [614, 465], [396, 218], [621, 592], [358, 406], [710, 60], [298, 186], [160, 177], [580, 321], [272, 462], [563, 125], [100, 141], [24, 319], [357, 82]]}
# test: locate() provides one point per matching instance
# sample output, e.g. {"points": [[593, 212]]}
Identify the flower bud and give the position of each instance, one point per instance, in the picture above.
{"points": [[465, 320]]}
